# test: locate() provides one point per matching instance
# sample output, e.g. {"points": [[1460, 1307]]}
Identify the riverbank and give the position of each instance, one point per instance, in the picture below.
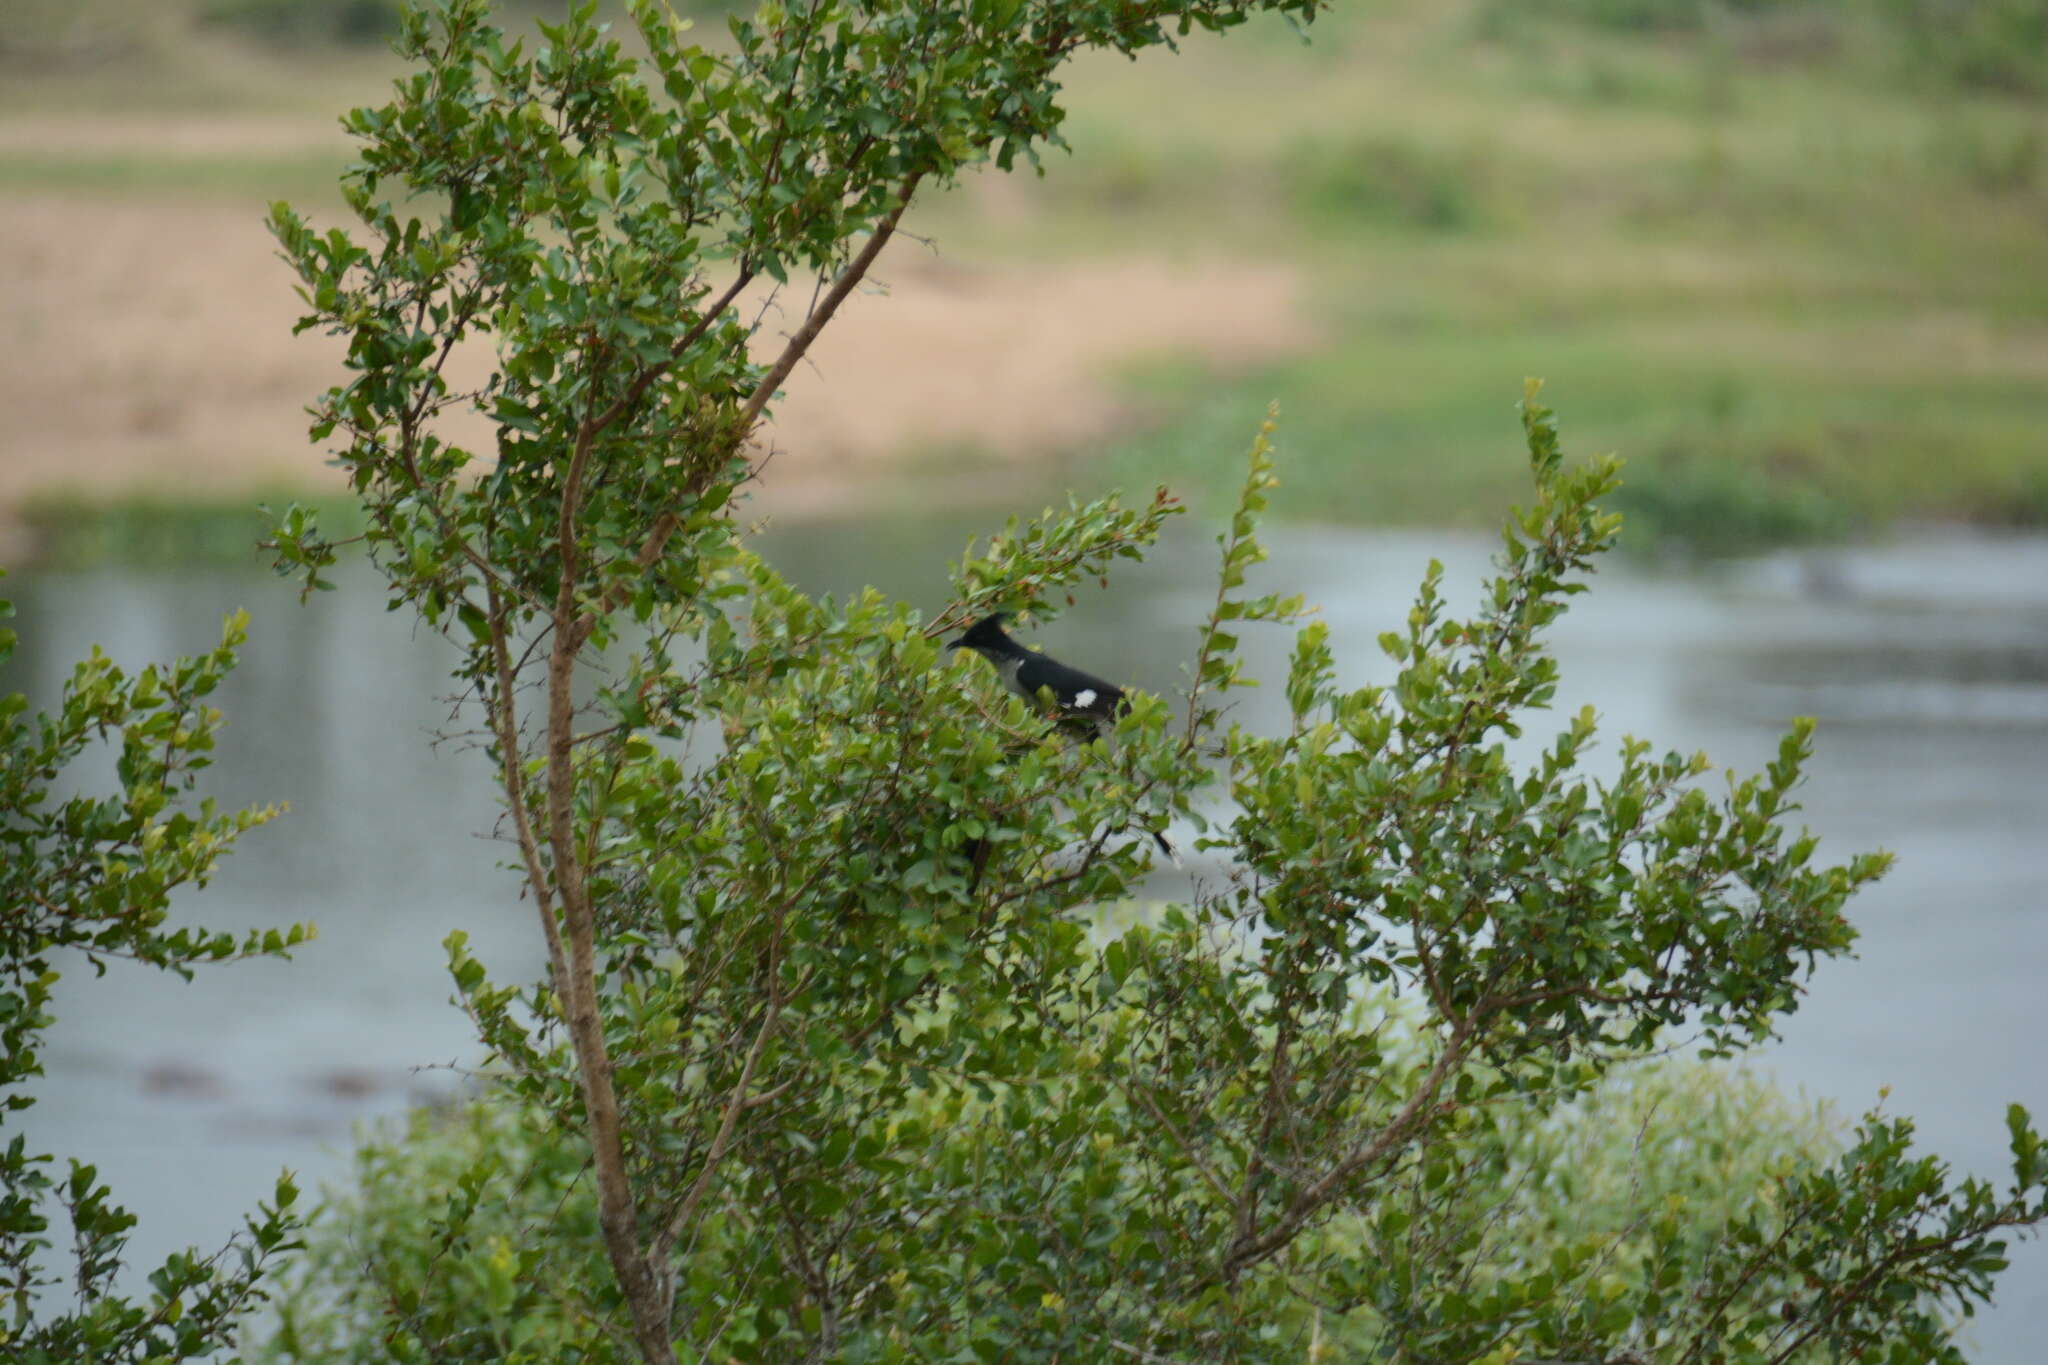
{"points": [[1805, 292]]}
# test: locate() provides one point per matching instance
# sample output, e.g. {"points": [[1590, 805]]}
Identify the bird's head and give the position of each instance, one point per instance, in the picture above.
{"points": [[985, 636]]}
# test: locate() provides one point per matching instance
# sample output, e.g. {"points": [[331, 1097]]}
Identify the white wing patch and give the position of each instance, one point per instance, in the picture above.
{"points": [[1084, 699]]}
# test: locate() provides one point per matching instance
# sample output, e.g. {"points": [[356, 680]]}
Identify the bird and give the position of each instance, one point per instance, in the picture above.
{"points": [[1041, 679], [1075, 698]]}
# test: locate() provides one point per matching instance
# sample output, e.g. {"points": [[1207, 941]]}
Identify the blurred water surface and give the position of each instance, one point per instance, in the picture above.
{"points": [[1926, 660]]}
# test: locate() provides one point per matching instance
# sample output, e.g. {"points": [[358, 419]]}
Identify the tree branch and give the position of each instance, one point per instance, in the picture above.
{"points": [[646, 378], [849, 278], [512, 767], [1242, 1253], [646, 1299], [665, 1242]]}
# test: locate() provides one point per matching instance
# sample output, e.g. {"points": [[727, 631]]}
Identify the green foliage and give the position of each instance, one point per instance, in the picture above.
{"points": [[1381, 1088], [758, 898], [1388, 182], [861, 1075], [1719, 504], [92, 875], [1999, 45], [410, 1255], [1655, 15], [416, 1263], [582, 241], [301, 21]]}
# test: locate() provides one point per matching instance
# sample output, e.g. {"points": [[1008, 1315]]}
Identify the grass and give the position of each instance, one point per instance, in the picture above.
{"points": [[299, 176], [1764, 266], [159, 531], [1762, 284]]}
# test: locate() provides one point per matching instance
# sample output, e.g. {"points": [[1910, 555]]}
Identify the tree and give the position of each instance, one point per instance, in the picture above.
{"points": [[92, 875], [842, 1097]]}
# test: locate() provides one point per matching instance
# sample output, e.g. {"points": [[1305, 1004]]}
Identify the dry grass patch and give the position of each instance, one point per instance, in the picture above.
{"points": [[148, 347]]}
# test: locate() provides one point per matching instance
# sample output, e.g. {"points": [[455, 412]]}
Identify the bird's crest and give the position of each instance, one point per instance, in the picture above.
{"points": [[985, 633]]}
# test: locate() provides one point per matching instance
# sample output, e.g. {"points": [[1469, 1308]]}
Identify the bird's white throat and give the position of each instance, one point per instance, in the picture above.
{"points": [[1006, 669]]}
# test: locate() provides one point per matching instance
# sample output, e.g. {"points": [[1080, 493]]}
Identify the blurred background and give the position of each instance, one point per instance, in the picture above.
{"points": [[1789, 257]]}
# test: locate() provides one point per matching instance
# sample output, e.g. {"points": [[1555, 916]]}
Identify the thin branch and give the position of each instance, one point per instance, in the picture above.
{"points": [[729, 1120], [1242, 1254], [504, 716], [646, 378], [1202, 1168], [849, 278], [666, 524]]}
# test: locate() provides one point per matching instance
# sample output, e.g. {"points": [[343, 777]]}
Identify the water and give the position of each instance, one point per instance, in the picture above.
{"points": [[1926, 661]]}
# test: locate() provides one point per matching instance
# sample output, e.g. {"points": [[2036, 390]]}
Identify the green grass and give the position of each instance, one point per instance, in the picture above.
{"points": [[299, 176], [1764, 284], [1768, 262], [155, 531]]}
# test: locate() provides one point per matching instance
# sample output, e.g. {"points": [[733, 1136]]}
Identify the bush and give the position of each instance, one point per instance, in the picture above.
{"points": [[1716, 502], [827, 1003], [88, 875], [358, 22], [1389, 182], [1995, 45], [1646, 16], [475, 1230]]}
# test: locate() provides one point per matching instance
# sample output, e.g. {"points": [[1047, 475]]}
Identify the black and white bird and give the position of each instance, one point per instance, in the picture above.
{"points": [[1078, 699], [1041, 679]]}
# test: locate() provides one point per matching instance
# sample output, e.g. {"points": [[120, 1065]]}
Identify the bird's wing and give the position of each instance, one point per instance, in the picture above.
{"points": [[1072, 690]]}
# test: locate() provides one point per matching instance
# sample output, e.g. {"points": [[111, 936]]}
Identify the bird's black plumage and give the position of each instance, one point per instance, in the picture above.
{"points": [[1038, 677], [1075, 698]]}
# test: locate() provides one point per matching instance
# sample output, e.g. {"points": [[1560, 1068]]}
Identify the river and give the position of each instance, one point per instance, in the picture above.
{"points": [[1925, 658]]}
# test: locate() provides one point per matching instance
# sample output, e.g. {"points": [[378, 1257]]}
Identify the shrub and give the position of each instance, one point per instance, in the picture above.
{"points": [[826, 1004], [1389, 182], [359, 22], [1997, 45], [1717, 502], [89, 875], [475, 1230]]}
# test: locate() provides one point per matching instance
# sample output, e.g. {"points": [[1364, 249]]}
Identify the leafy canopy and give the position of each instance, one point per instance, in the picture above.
{"points": [[90, 875], [862, 1070]]}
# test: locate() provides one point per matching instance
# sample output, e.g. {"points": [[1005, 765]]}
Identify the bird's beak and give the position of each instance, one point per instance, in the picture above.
{"points": [[957, 644]]}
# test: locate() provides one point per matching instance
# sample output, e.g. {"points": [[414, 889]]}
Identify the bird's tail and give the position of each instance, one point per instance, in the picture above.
{"points": [[1166, 847]]}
